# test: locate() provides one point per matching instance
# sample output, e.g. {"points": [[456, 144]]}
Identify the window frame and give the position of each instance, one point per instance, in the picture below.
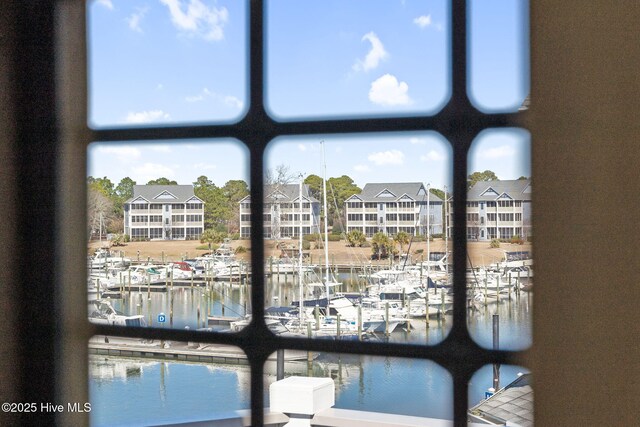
{"points": [[459, 122]]}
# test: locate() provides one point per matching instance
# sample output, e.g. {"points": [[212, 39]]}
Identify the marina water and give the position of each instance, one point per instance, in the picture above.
{"points": [[127, 391]]}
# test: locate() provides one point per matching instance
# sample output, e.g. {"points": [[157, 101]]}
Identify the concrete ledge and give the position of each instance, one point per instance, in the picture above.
{"points": [[349, 418], [241, 418]]}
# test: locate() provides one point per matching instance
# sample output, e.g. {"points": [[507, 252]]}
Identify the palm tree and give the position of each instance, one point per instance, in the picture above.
{"points": [[212, 236], [402, 238], [356, 238], [380, 244]]}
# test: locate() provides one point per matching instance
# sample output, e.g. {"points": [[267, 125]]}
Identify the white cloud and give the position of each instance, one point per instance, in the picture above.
{"points": [[195, 98], [387, 90], [135, 18], [197, 19], [148, 171], [233, 102], [498, 152], [106, 3], [375, 55], [433, 156], [147, 116], [361, 168], [160, 148], [423, 21], [302, 147], [418, 141], [229, 100], [123, 153], [389, 157]]}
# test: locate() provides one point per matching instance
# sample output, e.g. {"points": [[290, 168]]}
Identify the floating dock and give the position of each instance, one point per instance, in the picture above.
{"points": [[179, 351]]}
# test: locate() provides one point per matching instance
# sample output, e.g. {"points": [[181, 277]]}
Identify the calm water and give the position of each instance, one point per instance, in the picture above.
{"points": [[142, 392]]}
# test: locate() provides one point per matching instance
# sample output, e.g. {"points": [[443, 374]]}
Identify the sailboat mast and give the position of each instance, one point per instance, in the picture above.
{"points": [[326, 218], [300, 256], [428, 233]]}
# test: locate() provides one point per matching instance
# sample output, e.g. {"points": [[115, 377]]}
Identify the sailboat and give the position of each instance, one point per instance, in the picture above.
{"points": [[336, 314]]}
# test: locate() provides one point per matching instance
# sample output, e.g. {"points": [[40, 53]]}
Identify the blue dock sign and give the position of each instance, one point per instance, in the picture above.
{"points": [[162, 318]]}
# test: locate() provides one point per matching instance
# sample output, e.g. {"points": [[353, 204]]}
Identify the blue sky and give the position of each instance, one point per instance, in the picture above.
{"points": [[155, 62]]}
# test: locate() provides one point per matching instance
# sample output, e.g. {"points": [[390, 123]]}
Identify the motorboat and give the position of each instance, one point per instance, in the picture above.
{"points": [[103, 258], [101, 312]]}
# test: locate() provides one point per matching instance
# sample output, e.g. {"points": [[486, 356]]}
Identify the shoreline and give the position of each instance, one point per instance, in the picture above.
{"points": [[174, 250]]}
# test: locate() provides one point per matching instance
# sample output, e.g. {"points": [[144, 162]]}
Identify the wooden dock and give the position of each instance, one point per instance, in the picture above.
{"points": [[179, 351]]}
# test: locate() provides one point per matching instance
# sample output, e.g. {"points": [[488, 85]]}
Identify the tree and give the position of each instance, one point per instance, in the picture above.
{"points": [[162, 181], [216, 208], [279, 176], [339, 189], [523, 178], [381, 245], [234, 191], [356, 238], [315, 186], [213, 236], [124, 190], [402, 238], [99, 211], [481, 176], [103, 185]]}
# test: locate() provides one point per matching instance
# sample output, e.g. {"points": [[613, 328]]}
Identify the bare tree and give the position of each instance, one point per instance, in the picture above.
{"points": [[99, 209], [276, 179]]}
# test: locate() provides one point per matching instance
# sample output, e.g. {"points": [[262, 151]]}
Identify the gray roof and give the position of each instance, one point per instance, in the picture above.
{"points": [[372, 192], [289, 191], [514, 404], [517, 189], [182, 193]]}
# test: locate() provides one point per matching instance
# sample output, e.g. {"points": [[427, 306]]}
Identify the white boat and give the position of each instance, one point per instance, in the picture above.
{"points": [[101, 312], [287, 266], [103, 259]]}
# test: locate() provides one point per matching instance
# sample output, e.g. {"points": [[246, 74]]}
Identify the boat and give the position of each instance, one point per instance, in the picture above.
{"points": [[101, 312], [103, 258], [287, 266]]}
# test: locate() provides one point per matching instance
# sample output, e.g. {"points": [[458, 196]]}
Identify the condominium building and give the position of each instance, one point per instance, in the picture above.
{"points": [[163, 212], [283, 216], [499, 210], [394, 207]]}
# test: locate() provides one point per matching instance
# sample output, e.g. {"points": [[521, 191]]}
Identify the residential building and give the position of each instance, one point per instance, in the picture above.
{"points": [[163, 212], [499, 210], [394, 207], [282, 215]]}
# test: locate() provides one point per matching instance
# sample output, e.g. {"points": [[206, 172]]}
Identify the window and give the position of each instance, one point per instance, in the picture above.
{"points": [[256, 118]]}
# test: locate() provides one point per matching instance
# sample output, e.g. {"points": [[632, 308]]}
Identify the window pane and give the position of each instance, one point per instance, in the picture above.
{"points": [[500, 269], [162, 387], [166, 62], [164, 234], [498, 54], [501, 393], [386, 260], [335, 58], [382, 386]]}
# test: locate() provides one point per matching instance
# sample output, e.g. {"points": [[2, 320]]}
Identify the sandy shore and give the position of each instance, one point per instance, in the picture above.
{"points": [[479, 252]]}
